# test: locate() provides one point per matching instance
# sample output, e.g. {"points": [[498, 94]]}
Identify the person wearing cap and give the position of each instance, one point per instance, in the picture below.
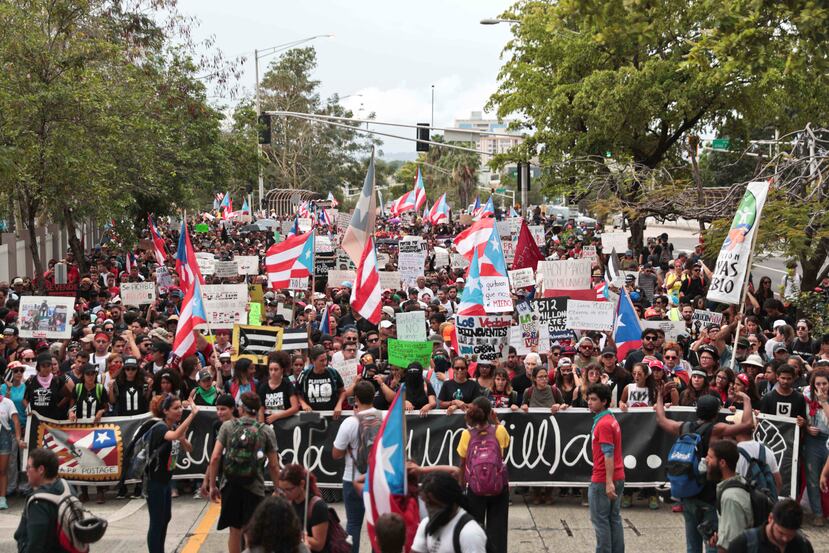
{"points": [[46, 391], [205, 393], [709, 359], [160, 352], [226, 366], [697, 282], [130, 394], [701, 507]]}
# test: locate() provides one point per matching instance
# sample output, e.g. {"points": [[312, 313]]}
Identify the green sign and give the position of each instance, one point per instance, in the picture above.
{"points": [[720, 143], [255, 313], [202, 227], [402, 352], [500, 190]]}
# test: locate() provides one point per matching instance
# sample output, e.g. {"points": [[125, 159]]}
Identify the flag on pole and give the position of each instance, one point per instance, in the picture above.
{"points": [[159, 249], [302, 210], [192, 314], [361, 227], [291, 262], [245, 207], [294, 228], [186, 266], [476, 207], [333, 200], [476, 235], [386, 489], [487, 211], [513, 213], [439, 213], [419, 191], [402, 204], [472, 298], [425, 211], [527, 253], [366, 295], [627, 331], [728, 278], [130, 262], [325, 321]]}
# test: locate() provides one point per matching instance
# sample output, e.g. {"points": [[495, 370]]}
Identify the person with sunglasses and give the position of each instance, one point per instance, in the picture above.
{"points": [[129, 393], [803, 344], [99, 356], [459, 392], [650, 340]]}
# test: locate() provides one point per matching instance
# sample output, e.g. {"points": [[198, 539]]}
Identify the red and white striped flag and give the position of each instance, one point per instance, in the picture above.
{"points": [[476, 235], [192, 315], [159, 250], [366, 295], [291, 262]]}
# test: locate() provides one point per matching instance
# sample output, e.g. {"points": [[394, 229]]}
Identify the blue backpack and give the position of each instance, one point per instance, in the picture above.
{"points": [[684, 458]]}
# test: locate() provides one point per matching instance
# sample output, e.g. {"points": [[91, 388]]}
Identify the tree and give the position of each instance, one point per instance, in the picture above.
{"points": [[631, 80]]}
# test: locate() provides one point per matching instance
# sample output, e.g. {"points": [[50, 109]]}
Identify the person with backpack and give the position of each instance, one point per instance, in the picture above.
{"points": [[688, 482], [89, 402], [353, 442], [166, 440], [481, 450], [779, 534], [757, 464], [242, 446], [449, 527], [734, 508], [607, 482]]}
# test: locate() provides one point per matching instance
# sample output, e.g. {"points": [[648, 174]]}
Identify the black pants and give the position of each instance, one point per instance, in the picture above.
{"points": [[159, 506], [492, 512]]}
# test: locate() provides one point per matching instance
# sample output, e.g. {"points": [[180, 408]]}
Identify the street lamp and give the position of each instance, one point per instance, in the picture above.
{"points": [[497, 20], [261, 54]]}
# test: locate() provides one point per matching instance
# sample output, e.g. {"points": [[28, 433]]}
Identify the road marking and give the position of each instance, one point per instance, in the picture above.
{"points": [[198, 537], [132, 506], [766, 267]]}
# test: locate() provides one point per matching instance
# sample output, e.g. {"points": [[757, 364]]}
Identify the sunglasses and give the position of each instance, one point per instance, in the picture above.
{"points": [[461, 368], [649, 338], [669, 357], [373, 340], [19, 370], [130, 368], [28, 359]]}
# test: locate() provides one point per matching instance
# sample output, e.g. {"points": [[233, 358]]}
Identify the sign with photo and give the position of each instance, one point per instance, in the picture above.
{"points": [[47, 317], [225, 304]]}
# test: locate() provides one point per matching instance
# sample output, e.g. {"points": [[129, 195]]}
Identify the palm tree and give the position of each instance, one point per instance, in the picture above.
{"points": [[463, 167]]}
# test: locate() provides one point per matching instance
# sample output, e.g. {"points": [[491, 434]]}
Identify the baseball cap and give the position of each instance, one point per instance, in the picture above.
{"points": [[709, 349], [777, 323], [385, 324], [204, 375], [564, 362], [225, 355], [388, 311], [629, 278], [780, 347], [130, 362], [89, 368], [16, 281], [459, 279], [608, 351]]}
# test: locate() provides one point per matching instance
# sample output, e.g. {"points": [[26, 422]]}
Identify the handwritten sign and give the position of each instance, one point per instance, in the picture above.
{"points": [[322, 244], [206, 262], [255, 313], [347, 369], [497, 294], [410, 265], [411, 326], [484, 338], [552, 314], [389, 280], [163, 279], [305, 224], [672, 329], [225, 269], [403, 352], [247, 264], [337, 277], [614, 240], [343, 220], [570, 274], [225, 304], [137, 293], [589, 252], [707, 317], [590, 315], [441, 257], [538, 234], [521, 278], [459, 261]]}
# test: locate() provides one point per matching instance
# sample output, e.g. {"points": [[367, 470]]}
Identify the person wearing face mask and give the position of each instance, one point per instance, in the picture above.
{"points": [[449, 523]]}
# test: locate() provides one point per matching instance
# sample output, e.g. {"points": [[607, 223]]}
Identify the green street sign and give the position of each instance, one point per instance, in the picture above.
{"points": [[720, 143], [500, 190]]}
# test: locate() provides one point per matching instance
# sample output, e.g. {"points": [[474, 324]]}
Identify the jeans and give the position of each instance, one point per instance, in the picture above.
{"points": [[492, 513], [355, 510], [607, 517], [694, 512], [815, 456], [159, 506]]}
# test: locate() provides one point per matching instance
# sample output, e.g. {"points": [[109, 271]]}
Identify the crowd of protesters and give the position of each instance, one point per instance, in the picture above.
{"points": [[119, 356]]}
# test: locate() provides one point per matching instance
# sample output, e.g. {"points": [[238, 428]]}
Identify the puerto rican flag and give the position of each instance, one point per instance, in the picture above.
{"points": [[84, 448], [245, 207], [386, 489], [226, 206], [439, 214], [303, 210], [294, 228], [130, 262], [333, 200], [186, 266], [419, 191], [324, 219], [366, 295], [487, 211], [472, 298], [404, 203], [627, 332], [513, 213], [291, 262], [159, 249], [325, 321], [475, 235], [475, 208], [192, 314]]}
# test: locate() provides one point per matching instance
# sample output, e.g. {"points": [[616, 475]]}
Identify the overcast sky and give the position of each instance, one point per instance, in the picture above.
{"points": [[391, 52]]}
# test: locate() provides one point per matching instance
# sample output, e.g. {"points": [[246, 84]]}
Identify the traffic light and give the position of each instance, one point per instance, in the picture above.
{"points": [[264, 129], [523, 176], [422, 134]]}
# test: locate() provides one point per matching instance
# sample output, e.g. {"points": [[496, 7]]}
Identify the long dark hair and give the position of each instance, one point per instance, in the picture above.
{"points": [[274, 527], [445, 489], [295, 474]]}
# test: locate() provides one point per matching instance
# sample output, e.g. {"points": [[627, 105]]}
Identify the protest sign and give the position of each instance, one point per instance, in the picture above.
{"points": [[247, 264], [137, 293], [508, 246], [47, 317], [305, 224], [459, 261], [389, 280], [347, 369], [672, 329], [485, 338], [589, 252], [286, 227], [383, 259], [497, 294], [202, 227], [465, 219], [504, 229], [411, 326], [343, 220], [255, 293], [412, 244], [707, 317], [614, 240], [163, 279], [569, 274], [287, 312], [441, 258], [528, 324], [521, 278], [322, 244], [344, 262], [337, 277], [403, 352], [255, 342], [410, 265], [254, 313], [225, 269], [590, 315], [538, 234], [516, 340], [514, 225], [225, 304], [206, 262], [68, 290], [552, 313], [323, 264]]}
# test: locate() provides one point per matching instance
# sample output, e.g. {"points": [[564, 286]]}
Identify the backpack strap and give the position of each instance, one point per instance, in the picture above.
{"points": [[753, 539], [456, 533]]}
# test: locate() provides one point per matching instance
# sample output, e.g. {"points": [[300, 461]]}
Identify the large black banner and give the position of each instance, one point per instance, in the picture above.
{"points": [[545, 449]]}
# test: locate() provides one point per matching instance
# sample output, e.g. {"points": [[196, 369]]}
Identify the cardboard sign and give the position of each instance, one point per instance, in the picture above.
{"points": [[47, 317], [206, 262], [389, 280], [337, 277], [589, 252], [569, 274], [403, 352], [410, 244], [225, 269], [521, 278], [614, 240], [552, 315], [538, 234], [459, 261], [707, 317], [137, 293], [411, 326], [247, 264], [225, 304], [497, 294], [590, 315], [163, 279], [347, 369], [484, 338]]}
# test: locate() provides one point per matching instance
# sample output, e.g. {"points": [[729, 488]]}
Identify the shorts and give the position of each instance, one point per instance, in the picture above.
{"points": [[5, 441], [238, 504]]}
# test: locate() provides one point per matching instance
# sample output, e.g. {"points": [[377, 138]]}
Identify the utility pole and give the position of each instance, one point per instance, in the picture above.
{"points": [[433, 106], [261, 188]]}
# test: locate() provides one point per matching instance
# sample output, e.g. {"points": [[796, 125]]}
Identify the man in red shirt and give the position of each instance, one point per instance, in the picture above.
{"points": [[608, 480]]}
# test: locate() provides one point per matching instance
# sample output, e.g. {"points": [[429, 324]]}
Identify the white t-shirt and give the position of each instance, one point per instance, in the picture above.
{"points": [[752, 447], [339, 357], [7, 409], [99, 361], [347, 440], [472, 538]]}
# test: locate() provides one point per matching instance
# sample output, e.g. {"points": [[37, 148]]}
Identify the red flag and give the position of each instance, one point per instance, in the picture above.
{"points": [[527, 253]]}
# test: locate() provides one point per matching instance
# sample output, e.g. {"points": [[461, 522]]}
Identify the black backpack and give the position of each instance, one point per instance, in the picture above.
{"points": [[456, 534], [758, 472], [761, 503]]}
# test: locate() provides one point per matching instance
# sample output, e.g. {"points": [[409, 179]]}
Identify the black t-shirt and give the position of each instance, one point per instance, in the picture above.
{"points": [[161, 468], [89, 402], [275, 399], [130, 398], [321, 391], [792, 405], [45, 401], [806, 350], [520, 384], [465, 392], [318, 515], [798, 545]]}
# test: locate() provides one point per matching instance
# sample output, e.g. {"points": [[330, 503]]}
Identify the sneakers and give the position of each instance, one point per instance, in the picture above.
{"points": [[676, 507], [100, 497], [627, 500], [653, 503], [817, 521], [137, 492], [3, 504]]}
